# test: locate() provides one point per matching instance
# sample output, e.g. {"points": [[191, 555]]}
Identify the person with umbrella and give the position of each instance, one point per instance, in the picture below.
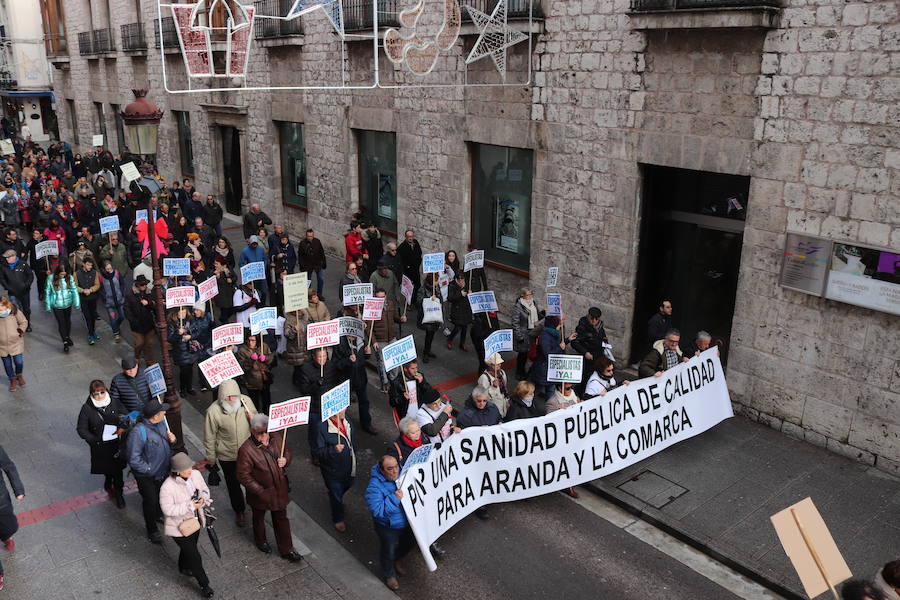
{"points": [[181, 498]]}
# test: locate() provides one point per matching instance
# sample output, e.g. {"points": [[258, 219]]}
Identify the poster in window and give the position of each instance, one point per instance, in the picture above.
{"points": [[865, 277], [385, 196], [300, 177], [507, 221]]}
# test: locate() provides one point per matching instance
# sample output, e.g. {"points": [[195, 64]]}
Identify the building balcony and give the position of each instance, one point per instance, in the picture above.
{"points": [[267, 29], [358, 13], [97, 41], [56, 45], [169, 39], [705, 14], [133, 38]]}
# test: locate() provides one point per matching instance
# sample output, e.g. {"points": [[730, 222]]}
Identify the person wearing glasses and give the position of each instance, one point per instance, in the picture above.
{"points": [[350, 277], [602, 380]]}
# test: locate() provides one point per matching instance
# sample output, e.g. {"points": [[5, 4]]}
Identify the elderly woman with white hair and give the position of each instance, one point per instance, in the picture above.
{"points": [[494, 381], [409, 439], [261, 464], [525, 319]]}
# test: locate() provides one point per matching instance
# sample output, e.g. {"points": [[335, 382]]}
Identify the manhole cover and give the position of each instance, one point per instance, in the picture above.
{"points": [[655, 490]]}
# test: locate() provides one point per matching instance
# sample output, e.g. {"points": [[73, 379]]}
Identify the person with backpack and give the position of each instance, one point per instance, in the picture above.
{"points": [[149, 451], [99, 424]]}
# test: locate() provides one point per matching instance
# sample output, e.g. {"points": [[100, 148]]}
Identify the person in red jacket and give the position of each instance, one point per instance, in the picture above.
{"points": [[353, 242]]}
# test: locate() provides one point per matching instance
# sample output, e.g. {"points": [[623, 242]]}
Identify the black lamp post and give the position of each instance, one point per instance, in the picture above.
{"points": [[141, 119]]}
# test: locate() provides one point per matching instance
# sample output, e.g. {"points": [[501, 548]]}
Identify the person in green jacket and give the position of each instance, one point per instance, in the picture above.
{"points": [[61, 295]]}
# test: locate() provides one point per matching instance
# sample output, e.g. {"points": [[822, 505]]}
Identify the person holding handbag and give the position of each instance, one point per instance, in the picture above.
{"points": [[181, 498], [227, 427]]}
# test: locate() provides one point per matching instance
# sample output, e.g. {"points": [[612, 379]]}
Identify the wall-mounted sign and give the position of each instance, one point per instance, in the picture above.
{"points": [[805, 263]]}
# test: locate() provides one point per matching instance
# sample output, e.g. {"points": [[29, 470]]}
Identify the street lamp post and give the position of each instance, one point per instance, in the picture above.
{"points": [[141, 119]]}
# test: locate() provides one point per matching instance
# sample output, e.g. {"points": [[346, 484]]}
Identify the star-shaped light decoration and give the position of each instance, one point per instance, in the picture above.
{"points": [[496, 36], [333, 9]]}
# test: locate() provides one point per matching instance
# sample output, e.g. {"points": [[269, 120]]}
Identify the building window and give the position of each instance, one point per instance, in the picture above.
{"points": [[185, 145], [73, 119], [120, 128], [293, 164], [378, 177], [501, 204], [54, 27], [100, 125]]}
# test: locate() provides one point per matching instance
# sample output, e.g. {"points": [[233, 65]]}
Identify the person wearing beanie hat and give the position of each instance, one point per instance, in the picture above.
{"points": [[16, 276], [549, 342], [182, 497], [149, 451]]}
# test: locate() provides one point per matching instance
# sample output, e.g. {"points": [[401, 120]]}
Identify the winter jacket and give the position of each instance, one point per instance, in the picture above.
{"points": [[372, 245], [184, 351], [657, 326], [8, 467], [401, 448], [590, 339], [335, 466], [257, 373], [77, 258], [87, 280], [258, 471], [117, 255], [385, 328], [655, 360], [253, 221], [355, 371], [315, 381], [131, 392], [212, 213], [288, 262], [105, 456], [141, 318], [353, 245], [252, 255], [518, 410], [460, 310], [398, 388], [11, 341], [9, 210], [148, 450], [176, 501], [112, 290], [64, 297], [477, 279], [410, 258], [295, 353], [317, 313], [310, 255], [548, 344], [223, 432], [521, 339], [16, 278], [472, 416], [558, 402], [389, 284], [382, 500], [499, 394]]}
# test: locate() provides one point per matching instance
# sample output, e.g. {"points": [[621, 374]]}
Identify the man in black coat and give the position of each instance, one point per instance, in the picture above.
{"points": [[254, 219], [311, 258], [139, 306], [410, 253], [350, 362], [590, 340], [659, 323], [212, 213], [38, 266], [397, 394], [130, 388], [11, 241], [16, 276], [317, 376]]}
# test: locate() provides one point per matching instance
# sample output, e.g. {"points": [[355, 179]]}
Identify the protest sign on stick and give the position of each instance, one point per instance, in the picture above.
{"points": [[263, 319], [289, 413], [208, 290], [295, 292], [552, 276], [499, 341], [399, 353], [406, 289], [109, 224], [156, 380], [554, 304], [253, 272], [335, 400], [231, 334], [220, 367], [320, 335], [355, 294], [180, 295], [176, 267], [352, 326]]}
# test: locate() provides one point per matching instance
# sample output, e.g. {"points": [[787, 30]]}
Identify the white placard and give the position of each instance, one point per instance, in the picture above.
{"points": [[231, 334], [554, 304], [288, 414], [373, 308], [564, 368], [473, 260], [352, 326], [399, 353], [355, 294], [499, 341], [48, 248], [433, 263], [208, 289], [130, 172], [220, 367], [263, 319], [6, 147], [296, 292], [180, 295], [97, 140], [552, 276], [335, 400], [321, 335], [482, 302], [109, 224]]}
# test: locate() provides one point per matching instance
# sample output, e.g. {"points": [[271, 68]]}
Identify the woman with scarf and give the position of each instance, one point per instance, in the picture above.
{"points": [[99, 426], [350, 277], [60, 296], [112, 290], [12, 345], [523, 404], [525, 317], [494, 381], [602, 380], [221, 252], [184, 348], [256, 360], [550, 342]]}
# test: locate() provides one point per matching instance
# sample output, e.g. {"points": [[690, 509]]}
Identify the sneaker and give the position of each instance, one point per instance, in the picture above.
{"points": [[91, 340], [96, 338], [10, 544], [117, 338]]}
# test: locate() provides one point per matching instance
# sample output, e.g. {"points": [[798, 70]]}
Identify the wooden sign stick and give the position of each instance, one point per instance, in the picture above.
{"points": [[371, 329], [815, 555], [283, 440]]}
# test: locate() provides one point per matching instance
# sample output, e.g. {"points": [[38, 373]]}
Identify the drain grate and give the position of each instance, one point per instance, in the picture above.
{"points": [[655, 490]]}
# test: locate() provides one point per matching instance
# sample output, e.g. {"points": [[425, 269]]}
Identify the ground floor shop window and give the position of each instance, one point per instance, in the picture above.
{"points": [[378, 177], [293, 164], [501, 204]]}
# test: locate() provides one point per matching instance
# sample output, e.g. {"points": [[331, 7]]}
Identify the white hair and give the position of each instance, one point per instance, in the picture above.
{"points": [[259, 421], [405, 422], [481, 392]]}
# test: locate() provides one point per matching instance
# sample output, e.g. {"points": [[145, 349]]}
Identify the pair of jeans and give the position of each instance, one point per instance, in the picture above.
{"points": [[395, 544], [235, 494], [63, 322], [89, 310], [189, 557], [320, 281], [17, 361], [336, 490], [115, 319], [280, 523], [148, 488]]}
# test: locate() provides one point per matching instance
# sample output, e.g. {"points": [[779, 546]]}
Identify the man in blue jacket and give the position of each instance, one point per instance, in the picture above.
{"points": [[149, 450], [394, 533], [251, 254]]}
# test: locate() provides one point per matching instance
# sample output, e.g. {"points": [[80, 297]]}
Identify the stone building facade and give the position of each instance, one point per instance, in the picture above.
{"points": [[671, 150]]}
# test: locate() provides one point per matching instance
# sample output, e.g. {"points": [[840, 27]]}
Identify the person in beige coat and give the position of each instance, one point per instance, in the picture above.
{"points": [[494, 381], [181, 498], [317, 312], [12, 342], [227, 427]]}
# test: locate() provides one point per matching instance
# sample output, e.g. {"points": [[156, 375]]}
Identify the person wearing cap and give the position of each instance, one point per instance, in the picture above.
{"points": [[495, 382], [149, 450], [139, 311], [76, 259], [100, 410], [60, 296], [87, 279], [227, 426], [130, 388], [261, 470], [9, 524], [334, 447], [254, 252], [434, 417], [182, 497], [16, 276]]}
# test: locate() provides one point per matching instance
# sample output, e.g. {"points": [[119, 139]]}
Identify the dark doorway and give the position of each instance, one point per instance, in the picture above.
{"points": [[692, 232], [231, 166]]}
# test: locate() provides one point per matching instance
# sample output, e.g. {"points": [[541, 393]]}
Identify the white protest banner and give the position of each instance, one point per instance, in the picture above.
{"points": [[140, 215], [48, 248], [372, 309], [320, 335], [352, 326], [208, 289], [156, 380], [356, 293], [499, 341], [227, 335], [109, 224], [406, 288], [97, 140], [288, 414], [564, 368], [473, 260], [433, 263], [335, 400], [176, 267], [263, 319], [552, 276], [295, 292], [253, 272], [592, 439], [220, 367], [554, 304], [6, 147], [131, 173], [399, 353], [482, 302], [180, 295]]}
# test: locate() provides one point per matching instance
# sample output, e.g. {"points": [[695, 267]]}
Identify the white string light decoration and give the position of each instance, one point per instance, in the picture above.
{"points": [[333, 9], [495, 38], [420, 56], [194, 31]]}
